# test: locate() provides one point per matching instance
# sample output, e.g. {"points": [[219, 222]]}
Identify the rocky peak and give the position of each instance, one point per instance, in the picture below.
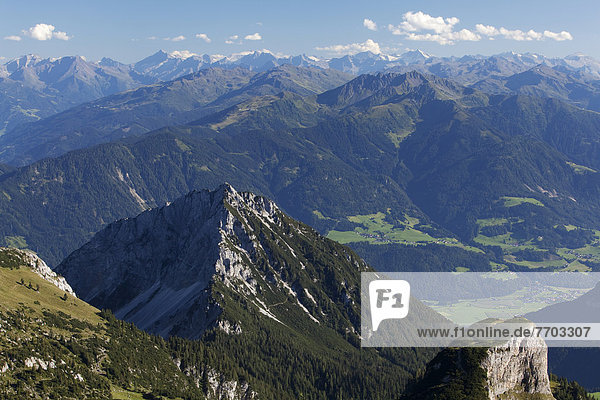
{"points": [[515, 370], [161, 269], [26, 61], [518, 370]]}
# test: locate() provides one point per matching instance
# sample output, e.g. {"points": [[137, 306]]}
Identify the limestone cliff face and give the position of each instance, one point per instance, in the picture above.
{"points": [[219, 388], [155, 270], [518, 370]]}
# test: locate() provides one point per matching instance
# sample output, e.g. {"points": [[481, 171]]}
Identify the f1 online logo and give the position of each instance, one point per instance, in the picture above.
{"points": [[389, 300]]}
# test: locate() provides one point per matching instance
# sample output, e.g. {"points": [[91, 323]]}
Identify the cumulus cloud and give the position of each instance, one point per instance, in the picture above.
{"points": [[176, 38], [369, 24], [14, 38], [182, 54], [560, 36], [465, 35], [353, 48], [487, 30], [254, 36], [40, 32], [441, 29], [204, 37], [45, 32], [519, 35], [446, 37], [61, 36], [419, 21], [424, 27]]}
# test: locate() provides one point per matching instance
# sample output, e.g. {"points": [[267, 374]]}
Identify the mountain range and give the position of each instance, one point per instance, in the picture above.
{"points": [[421, 146], [33, 88], [142, 110]]}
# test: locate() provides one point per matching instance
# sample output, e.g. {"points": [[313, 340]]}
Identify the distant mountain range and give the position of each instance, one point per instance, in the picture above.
{"points": [[32, 88], [141, 110], [167, 66], [227, 82]]}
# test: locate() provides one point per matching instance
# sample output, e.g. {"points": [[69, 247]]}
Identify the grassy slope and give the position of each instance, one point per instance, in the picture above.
{"points": [[515, 201], [39, 322], [48, 298]]}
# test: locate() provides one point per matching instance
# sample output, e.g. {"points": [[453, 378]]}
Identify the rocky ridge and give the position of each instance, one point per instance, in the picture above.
{"points": [[162, 269]]}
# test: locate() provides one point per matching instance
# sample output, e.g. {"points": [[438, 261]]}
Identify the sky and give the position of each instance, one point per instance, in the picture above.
{"points": [[129, 30]]}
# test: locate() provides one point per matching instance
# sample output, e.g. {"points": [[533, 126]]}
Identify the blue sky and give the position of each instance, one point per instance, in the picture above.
{"points": [[130, 30]]}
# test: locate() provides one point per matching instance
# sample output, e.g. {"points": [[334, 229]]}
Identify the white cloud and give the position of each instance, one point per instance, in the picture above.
{"points": [[445, 38], [514, 34], [254, 36], [369, 24], [14, 38], [232, 40], [182, 54], [423, 27], [40, 32], [353, 48], [465, 35], [45, 32], [533, 35], [564, 35], [519, 35], [204, 37], [176, 38], [419, 21], [61, 35], [487, 30], [415, 26]]}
